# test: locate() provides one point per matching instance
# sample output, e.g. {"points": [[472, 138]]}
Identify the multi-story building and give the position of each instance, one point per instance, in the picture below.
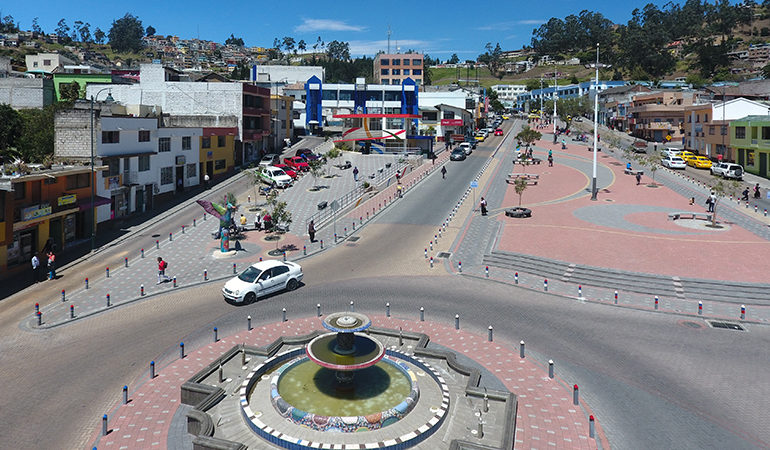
{"points": [[508, 93], [395, 68], [212, 101], [706, 125], [750, 138], [659, 116], [614, 103], [46, 63], [447, 114], [281, 122], [264, 73], [217, 151]]}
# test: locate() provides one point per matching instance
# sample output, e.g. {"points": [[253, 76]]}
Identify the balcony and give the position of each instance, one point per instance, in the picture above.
{"points": [[130, 178]]}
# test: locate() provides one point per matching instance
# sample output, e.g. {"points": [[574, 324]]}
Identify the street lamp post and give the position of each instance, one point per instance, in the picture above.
{"points": [[596, 124], [555, 88], [93, 171], [541, 98]]}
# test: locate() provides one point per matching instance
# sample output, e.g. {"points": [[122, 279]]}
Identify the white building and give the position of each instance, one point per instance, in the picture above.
{"points": [[508, 93], [46, 62], [285, 74]]}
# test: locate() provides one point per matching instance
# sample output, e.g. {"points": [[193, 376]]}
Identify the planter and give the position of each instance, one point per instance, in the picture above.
{"points": [[518, 212]]}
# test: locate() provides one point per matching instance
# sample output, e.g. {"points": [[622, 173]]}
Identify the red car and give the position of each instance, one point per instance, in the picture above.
{"points": [[287, 170], [498, 131], [296, 163]]}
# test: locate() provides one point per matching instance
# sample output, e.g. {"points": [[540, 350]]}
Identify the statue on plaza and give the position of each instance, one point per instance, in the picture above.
{"points": [[225, 216]]}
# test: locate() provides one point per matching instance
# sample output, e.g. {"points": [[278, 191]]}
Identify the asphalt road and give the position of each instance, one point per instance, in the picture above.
{"points": [[652, 380]]}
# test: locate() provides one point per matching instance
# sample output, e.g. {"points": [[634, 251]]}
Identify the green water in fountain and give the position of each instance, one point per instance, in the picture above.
{"points": [[314, 389]]}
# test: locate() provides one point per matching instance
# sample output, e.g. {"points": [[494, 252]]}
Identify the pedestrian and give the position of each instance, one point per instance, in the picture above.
{"points": [[243, 222], [51, 266], [180, 184], [206, 180], [443, 172], [257, 222], [711, 201], [433, 157], [692, 201], [399, 189], [638, 178], [162, 266], [35, 268], [756, 191], [483, 205], [745, 196], [550, 160], [311, 231], [267, 221], [355, 173]]}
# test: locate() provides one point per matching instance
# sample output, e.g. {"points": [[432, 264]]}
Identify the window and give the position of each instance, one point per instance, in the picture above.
{"points": [[19, 191], [329, 95], [164, 144], [144, 135], [78, 181], [406, 71], [395, 81], [110, 137], [385, 62], [46, 62], [723, 131], [712, 130], [206, 142], [740, 132], [416, 71], [186, 142], [417, 62], [396, 62], [166, 175], [346, 95], [113, 168], [392, 96], [283, 124], [429, 116], [220, 141], [374, 96], [705, 117], [765, 133], [384, 71], [396, 71], [697, 118], [144, 163], [447, 114], [219, 164], [192, 171], [406, 62]]}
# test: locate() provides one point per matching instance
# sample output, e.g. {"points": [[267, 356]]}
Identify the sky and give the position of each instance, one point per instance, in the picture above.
{"points": [[436, 28]]}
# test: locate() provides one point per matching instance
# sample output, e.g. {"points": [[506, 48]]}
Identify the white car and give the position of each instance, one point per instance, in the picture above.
{"points": [[261, 279], [673, 162], [269, 160], [274, 176], [466, 147], [727, 170]]}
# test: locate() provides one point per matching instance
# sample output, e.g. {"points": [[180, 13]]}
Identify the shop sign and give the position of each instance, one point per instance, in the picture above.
{"points": [[35, 212], [180, 160], [67, 199], [112, 183], [451, 122]]}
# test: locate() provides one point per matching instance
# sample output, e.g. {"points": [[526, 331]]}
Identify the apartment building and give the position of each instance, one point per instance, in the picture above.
{"points": [[660, 116], [394, 68], [508, 93], [750, 137], [46, 63]]}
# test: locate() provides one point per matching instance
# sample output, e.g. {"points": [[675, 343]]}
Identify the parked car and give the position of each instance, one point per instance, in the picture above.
{"points": [[297, 163], [685, 155], [727, 170], [699, 162], [498, 131], [287, 170], [673, 162], [466, 147], [458, 154], [480, 136], [270, 159], [274, 176], [307, 154], [671, 152], [261, 279]]}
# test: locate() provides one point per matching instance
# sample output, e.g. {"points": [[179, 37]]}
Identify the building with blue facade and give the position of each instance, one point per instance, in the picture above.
{"points": [[531, 100]]}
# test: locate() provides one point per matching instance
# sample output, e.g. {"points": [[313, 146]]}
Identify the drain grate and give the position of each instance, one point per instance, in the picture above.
{"points": [[354, 238], [443, 255], [726, 325]]}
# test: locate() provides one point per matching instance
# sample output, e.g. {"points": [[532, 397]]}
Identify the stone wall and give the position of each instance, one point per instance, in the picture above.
{"points": [[25, 93], [72, 140]]}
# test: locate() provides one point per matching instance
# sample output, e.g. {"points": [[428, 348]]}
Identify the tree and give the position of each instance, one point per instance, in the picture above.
{"points": [[281, 215], [76, 30], [241, 71], [332, 155], [338, 50], [7, 25], [288, 43], [99, 36], [232, 40], [302, 45], [62, 30], [454, 59], [492, 58], [520, 185], [528, 136], [36, 142], [150, 31], [11, 125], [126, 34], [532, 85], [36, 26], [69, 92], [316, 170], [85, 32]]}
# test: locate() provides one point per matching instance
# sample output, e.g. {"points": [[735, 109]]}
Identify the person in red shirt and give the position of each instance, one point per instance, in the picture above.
{"points": [[162, 271]]}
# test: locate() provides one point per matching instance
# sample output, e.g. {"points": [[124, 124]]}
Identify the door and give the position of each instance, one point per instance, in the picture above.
{"points": [[763, 164], [148, 190], [741, 159], [179, 178], [210, 169], [55, 232], [280, 276], [139, 206], [266, 282]]}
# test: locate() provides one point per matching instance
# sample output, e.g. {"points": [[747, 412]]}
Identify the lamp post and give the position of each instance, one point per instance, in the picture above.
{"points": [[541, 98], [555, 88], [93, 171], [596, 124]]}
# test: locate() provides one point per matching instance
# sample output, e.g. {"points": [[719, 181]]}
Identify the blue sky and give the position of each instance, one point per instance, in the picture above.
{"points": [[436, 28]]}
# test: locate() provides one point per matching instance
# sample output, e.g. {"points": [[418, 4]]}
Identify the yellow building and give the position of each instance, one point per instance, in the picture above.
{"points": [[280, 122], [217, 151]]}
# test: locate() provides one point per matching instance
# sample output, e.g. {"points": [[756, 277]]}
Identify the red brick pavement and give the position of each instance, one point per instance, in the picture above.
{"points": [[546, 416]]}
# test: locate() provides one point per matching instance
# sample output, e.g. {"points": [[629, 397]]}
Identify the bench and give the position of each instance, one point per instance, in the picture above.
{"points": [[530, 182], [322, 205], [524, 175], [527, 161], [628, 171], [690, 215]]}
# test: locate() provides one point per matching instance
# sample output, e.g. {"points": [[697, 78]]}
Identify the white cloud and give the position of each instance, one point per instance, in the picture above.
{"points": [[531, 22], [500, 26], [309, 25], [370, 48]]}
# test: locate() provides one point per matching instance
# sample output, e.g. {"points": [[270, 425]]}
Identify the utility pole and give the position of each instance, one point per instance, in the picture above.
{"points": [[541, 97], [555, 97], [596, 124]]}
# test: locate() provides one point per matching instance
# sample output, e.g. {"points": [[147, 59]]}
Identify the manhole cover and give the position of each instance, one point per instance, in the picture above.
{"points": [[687, 323], [443, 255], [608, 200], [354, 238], [726, 325], [155, 235]]}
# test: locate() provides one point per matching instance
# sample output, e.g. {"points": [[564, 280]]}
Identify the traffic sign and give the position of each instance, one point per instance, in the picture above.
{"points": [[668, 137], [474, 184]]}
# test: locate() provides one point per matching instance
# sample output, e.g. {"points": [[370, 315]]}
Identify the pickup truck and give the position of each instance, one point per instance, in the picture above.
{"points": [[297, 163], [274, 176], [727, 170]]}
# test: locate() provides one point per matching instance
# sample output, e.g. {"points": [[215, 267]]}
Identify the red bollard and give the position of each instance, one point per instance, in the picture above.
{"points": [[575, 395], [72, 311]]}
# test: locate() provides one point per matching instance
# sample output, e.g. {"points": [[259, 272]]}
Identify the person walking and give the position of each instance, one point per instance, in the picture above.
{"points": [[355, 174], [243, 222], [443, 172], [257, 222], [35, 268], [711, 201], [756, 191], [483, 205], [162, 266], [51, 266], [311, 231], [638, 178], [550, 160]]}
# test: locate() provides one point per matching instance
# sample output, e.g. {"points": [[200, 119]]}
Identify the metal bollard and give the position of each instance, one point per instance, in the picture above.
{"points": [[174, 281], [248, 323], [516, 278], [204, 217], [457, 321], [283, 318], [39, 318], [521, 349], [591, 427], [460, 266], [431, 245], [550, 368], [656, 302], [141, 290], [182, 229], [575, 395], [107, 270], [422, 314], [205, 274], [335, 238], [431, 262], [86, 283], [354, 226], [152, 369], [304, 250], [486, 403], [616, 297], [142, 253], [345, 229], [387, 309], [37, 308], [260, 259], [108, 300], [194, 224], [439, 232], [743, 312], [318, 309], [104, 425], [765, 212], [322, 244], [426, 253], [170, 237], [489, 334], [125, 395], [486, 271], [216, 335], [580, 291], [181, 350], [233, 267], [221, 373], [72, 311], [700, 308], [62, 296], [284, 256], [435, 238], [157, 244], [352, 308], [125, 260], [545, 285]]}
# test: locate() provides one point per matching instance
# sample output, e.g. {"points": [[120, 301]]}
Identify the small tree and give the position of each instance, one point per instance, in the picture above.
{"points": [[254, 179], [528, 136], [332, 155], [651, 162], [520, 185], [280, 214], [316, 170], [719, 191]]}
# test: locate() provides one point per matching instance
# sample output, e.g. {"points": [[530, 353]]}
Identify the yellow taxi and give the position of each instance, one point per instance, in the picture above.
{"points": [[685, 155], [480, 137], [505, 117], [699, 162]]}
